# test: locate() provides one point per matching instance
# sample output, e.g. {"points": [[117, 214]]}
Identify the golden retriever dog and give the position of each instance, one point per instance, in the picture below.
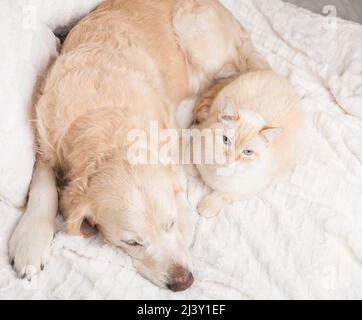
{"points": [[127, 63]]}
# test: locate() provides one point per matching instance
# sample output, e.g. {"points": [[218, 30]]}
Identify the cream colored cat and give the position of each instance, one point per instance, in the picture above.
{"points": [[257, 124]]}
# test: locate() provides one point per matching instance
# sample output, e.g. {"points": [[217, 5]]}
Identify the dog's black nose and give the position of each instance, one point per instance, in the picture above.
{"points": [[180, 279]]}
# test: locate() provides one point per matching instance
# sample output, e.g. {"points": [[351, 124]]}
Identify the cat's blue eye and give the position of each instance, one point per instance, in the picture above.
{"points": [[248, 152], [226, 141]]}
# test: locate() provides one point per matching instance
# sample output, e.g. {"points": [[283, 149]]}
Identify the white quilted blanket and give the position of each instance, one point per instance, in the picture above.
{"points": [[301, 239]]}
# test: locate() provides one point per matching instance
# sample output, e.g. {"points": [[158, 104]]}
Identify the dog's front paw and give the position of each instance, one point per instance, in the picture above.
{"points": [[209, 206], [29, 245]]}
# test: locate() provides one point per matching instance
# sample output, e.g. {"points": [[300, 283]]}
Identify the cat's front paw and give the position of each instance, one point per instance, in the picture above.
{"points": [[209, 206]]}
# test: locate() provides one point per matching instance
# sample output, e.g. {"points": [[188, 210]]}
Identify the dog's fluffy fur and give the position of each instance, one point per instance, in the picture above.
{"points": [[264, 116], [125, 64]]}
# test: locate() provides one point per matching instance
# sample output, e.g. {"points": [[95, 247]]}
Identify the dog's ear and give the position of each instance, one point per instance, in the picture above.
{"points": [[80, 222], [78, 216], [88, 228]]}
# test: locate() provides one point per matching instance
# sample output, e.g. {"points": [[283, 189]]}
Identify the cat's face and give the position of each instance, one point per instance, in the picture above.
{"points": [[242, 146], [245, 137], [240, 136]]}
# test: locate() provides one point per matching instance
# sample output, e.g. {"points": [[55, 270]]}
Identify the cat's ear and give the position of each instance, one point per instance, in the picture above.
{"points": [[228, 112], [270, 134]]}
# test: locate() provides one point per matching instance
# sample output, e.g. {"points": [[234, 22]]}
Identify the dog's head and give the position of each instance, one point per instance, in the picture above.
{"points": [[137, 209]]}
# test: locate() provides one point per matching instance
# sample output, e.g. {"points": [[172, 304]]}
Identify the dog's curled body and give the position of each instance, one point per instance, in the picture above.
{"points": [[127, 63]]}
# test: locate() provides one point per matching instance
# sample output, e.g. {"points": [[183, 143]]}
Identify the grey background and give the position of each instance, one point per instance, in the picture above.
{"points": [[346, 9]]}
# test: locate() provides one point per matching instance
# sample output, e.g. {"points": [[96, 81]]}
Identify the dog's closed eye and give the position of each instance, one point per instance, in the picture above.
{"points": [[170, 226], [133, 243]]}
